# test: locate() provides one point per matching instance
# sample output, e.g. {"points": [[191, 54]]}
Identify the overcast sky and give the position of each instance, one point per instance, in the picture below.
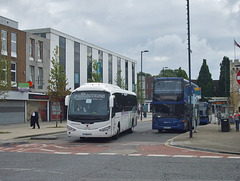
{"points": [[129, 26]]}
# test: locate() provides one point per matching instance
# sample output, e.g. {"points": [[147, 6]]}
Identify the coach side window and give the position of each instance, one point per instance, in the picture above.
{"points": [[117, 103]]}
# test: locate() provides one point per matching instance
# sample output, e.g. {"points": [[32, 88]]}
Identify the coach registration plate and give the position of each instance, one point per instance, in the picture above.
{"points": [[87, 134]]}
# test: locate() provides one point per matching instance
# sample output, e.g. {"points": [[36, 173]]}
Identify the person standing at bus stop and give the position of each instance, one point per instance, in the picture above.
{"points": [[236, 120]]}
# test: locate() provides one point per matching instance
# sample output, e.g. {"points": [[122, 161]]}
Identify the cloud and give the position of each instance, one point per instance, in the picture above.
{"points": [[130, 26]]}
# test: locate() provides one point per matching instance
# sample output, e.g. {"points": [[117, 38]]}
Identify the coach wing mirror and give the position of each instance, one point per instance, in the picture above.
{"points": [[67, 99], [111, 101]]}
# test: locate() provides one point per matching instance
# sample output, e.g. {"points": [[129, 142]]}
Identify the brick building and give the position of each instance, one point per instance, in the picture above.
{"points": [[234, 85], [29, 57]]}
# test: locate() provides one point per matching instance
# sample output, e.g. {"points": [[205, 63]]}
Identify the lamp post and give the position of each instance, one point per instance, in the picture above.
{"points": [[141, 81], [189, 65], [163, 70]]}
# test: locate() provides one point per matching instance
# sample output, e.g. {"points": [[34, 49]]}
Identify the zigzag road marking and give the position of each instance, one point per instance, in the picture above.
{"points": [[84, 150]]}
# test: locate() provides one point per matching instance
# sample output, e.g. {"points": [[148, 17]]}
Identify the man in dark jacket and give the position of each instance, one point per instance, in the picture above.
{"points": [[34, 119]]}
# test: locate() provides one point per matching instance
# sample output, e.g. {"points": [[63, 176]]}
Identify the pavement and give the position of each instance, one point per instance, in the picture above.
{"points": [[208, 137]]}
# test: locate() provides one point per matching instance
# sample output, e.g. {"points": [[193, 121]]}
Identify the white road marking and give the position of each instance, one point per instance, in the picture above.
{"points": [[156, 155], [183, 156], [211, 156], [82, 153], [63, 153], [107, 153], [134, 154], [234, 157]]}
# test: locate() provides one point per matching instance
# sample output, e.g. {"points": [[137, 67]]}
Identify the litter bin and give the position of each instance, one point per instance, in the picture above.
{"points": [[225, 125]]}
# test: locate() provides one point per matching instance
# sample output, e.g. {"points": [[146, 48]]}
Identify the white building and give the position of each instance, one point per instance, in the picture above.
{"points": [[77, 56]]}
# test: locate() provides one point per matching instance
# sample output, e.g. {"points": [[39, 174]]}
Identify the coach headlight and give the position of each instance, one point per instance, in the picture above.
{"points": [[69, 128], [105, 128]]}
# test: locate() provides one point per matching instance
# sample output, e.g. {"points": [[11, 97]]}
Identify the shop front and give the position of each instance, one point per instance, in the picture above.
{"points": [[39, 102]]}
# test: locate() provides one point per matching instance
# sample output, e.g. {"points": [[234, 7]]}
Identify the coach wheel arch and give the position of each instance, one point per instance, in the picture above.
{"points": [[132, 127]]}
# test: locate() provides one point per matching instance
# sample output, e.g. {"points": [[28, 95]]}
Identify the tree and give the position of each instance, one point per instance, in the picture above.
{"points": [[120, 81], [96, 74], [182, 73], [205, 81], [223, 88], [173, 73], [58, 81], [5, 80]]}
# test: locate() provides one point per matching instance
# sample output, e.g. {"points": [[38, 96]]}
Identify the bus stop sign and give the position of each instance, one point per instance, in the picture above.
{"points": [[238, 77]]}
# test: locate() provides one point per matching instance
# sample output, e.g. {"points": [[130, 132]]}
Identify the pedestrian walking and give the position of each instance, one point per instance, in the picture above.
{"points": [[236, 119], [34, 119], [219, 117]]}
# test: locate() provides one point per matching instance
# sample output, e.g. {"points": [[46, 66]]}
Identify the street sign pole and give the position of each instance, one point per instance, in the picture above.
{"points": [[189, 64]]}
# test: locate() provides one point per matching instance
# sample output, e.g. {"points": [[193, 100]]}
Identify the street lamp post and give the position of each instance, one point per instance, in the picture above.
{"points": [[189, 64], [141, 82]]}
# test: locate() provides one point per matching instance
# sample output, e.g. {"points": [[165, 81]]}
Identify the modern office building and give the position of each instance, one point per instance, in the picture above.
{"points": [[77, 57]]}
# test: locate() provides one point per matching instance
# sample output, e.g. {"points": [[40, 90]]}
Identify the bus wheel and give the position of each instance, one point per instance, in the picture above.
{"points": [[132, 128], [115, 137], [160, 130]]}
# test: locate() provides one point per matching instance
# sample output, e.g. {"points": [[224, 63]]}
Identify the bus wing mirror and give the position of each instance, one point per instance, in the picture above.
{"points": [[67, 99], [111, 101]]}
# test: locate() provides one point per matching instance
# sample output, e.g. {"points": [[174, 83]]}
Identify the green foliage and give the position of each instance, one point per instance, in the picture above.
{"points": [[96, 74], [182, 73], [173, 73], [120, 81], [58, 81], [205, 81], [5, 80], [223, 88]]}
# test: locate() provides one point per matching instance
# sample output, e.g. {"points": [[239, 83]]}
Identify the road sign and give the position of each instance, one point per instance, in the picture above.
{"points": [[238, 77]]}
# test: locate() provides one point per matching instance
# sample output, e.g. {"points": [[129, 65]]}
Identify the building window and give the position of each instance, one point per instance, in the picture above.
{"points": [[32, 75], [89, 63], [4, 42], [126, 74], [40, 51], [100, 62], [13, 44], [13, 74], [62, 52], [76, 65], [31, 49], [118, 64], [109, 68], [40, 77]]}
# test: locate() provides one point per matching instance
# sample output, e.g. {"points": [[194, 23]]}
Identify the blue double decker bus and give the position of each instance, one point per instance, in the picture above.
{"points": [[171, 108]]}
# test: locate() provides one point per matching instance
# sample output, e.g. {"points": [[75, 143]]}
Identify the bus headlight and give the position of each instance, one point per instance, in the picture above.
{"points": [[105, 128], [69, 128]]}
